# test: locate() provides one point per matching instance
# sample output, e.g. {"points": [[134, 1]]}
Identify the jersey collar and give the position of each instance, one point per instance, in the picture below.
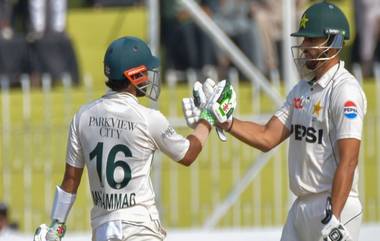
{"points": [[125, 95], [326, 78]]}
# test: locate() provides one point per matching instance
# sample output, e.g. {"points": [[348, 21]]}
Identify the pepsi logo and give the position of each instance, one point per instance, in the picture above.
{"points": [[350, 110]]}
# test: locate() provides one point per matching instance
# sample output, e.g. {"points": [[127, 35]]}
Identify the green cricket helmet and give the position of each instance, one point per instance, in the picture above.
{"points": [[130, 59], [321, 20]]}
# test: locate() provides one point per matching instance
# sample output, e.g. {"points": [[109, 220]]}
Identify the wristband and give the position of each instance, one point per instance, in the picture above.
{"points": [[63, 202]]}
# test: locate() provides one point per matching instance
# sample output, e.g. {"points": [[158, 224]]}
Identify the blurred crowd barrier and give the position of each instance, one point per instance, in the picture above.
{"points": [[33, 40], [255, 26]]}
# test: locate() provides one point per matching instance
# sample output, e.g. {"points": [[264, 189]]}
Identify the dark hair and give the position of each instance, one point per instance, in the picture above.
{"points": [[117, 85]]}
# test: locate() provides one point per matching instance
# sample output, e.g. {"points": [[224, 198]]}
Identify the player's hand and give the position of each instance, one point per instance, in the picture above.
{"points": [[191, 112], [208, 88], [55, 232], [40, 233], [223, 102], [333, 230], [193, 106], [203, 92]]}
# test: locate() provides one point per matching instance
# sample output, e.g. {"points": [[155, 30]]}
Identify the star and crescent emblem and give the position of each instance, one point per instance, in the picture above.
{"points": [[304, 21], [317, 108]]}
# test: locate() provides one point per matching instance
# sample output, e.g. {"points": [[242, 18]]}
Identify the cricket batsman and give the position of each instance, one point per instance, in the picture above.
{"points": [[323, 119], [116, 138]]}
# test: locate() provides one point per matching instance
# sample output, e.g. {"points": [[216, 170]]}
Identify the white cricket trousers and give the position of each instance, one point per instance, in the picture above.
{"points": [[305, 215], [149, 230]]}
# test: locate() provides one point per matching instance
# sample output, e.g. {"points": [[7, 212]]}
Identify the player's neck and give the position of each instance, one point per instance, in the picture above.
{"points": [[131, 89], [325, 67]]}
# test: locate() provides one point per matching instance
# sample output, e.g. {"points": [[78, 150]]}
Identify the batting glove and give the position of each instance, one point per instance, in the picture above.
{"points": [[191, 112], [203, 92], [55, 232], [333, 230], [193, 106], [208, 88], [223, 102], [40, 233]]}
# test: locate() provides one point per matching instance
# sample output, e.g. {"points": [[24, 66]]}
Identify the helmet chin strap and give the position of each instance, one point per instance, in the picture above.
{"points": [[312, 72], [309, 74], [322, 59], [140, 90], [322, 63]]}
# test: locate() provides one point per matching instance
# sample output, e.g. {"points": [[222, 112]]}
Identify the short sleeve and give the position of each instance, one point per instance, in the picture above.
{"points": [[349, 108], [166, 138], [74, 152], [284, 113]]}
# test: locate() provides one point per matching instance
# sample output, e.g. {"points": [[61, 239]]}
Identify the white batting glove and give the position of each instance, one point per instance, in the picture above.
{"points": [[40, 233], [203, 92], [55, 232], [202, 96], [223, 102], [333, 230], [193, 106], [191, 112]]}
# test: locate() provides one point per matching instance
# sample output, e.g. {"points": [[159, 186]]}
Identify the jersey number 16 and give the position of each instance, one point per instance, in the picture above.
{"points": [[120, 167]]}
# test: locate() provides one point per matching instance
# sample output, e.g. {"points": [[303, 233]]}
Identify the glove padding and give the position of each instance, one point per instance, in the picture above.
{"points": [[199, 107], [223, 102], [55, 232], [333, 230], [203, 92], [193, 106], [191, 112], [40, 233]]}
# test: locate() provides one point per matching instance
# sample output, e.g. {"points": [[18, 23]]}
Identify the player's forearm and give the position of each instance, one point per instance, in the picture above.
{"points": [[341, 188], [202, 131], [65, 194], [71, 179], [344, 174], [197, 140], [250, 133]]}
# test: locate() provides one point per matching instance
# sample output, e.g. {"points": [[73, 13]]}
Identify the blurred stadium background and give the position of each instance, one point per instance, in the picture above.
{"points": [[233, 192]]}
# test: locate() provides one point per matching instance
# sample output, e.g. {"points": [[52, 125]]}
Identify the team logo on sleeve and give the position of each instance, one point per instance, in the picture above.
{"points": [[168, 132], [297, 103], [350, 110]]}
